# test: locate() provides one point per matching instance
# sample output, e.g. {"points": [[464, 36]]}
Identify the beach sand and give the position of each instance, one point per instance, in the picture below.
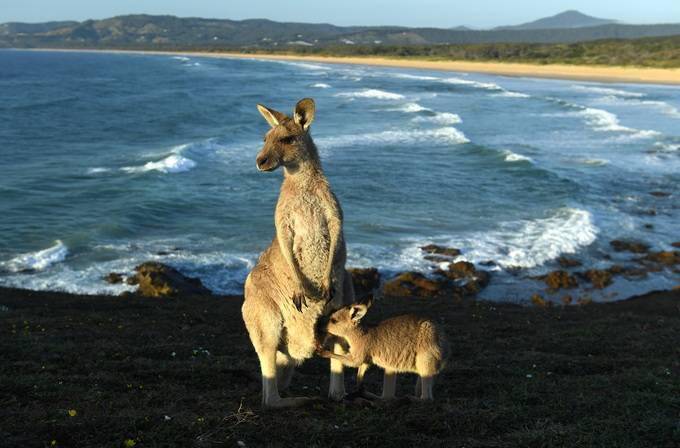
{"points": [[555, 71]]}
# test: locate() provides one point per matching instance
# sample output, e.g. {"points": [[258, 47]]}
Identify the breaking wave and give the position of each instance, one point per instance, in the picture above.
{"points": [[532, 243], [37, 261], [514, 157], [441, 118], [174, 163], [608, 91], [447, 135], [371, 93]]}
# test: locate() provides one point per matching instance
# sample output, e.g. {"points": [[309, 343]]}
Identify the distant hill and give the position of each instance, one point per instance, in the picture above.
{"points": [[173, 33], [566, 19]]}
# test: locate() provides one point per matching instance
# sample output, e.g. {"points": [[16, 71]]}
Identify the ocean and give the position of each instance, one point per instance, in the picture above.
{"points": [[110, 160]]}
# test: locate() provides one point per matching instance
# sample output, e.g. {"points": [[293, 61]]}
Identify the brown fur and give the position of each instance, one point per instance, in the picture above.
{"points": [[403, 344], [301, 275]]}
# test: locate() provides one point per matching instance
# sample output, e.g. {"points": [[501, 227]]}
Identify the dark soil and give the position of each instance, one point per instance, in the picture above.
{"points": [[84, 371]]}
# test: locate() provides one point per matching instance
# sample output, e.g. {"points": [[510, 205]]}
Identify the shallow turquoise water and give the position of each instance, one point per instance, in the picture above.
{"points": [[111, 159]]}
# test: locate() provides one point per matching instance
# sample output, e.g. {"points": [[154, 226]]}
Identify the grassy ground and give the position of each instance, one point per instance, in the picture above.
{"points": [[111, 371]]}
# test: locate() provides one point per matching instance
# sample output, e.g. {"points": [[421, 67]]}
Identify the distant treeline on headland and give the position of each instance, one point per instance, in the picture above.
{"points": [[660, 52]]}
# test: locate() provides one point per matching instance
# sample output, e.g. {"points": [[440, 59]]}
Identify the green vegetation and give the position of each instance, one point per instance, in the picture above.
{"points": [[663, 52], [82, 371]]}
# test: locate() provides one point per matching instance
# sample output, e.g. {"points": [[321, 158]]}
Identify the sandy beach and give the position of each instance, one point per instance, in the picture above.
{"points": [[605, 74]]}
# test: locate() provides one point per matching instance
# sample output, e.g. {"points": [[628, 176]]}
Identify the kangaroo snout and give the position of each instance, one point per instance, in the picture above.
{"points": [[266, 163]]}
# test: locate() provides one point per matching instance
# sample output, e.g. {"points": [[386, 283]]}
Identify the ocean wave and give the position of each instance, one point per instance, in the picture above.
{"points": [[371, 93], [37, 261], [98, 170], [181, 58], [414, 77], [446, 135], [594, 162], [603, 121], [476, 84], [608, 91], [441, 118], [528, 244], [321, 85], [172, 164], [220, 271], [511, 94], [410, 108], [661, 106], [305, 65], [514, 157], [667, 147]]}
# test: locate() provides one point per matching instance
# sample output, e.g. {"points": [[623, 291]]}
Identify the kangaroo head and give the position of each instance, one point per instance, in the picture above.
{"points": [[346, 319], [288, 142]]}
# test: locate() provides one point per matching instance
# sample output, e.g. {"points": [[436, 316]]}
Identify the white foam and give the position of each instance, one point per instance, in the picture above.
{"points": [[511, 94], [411, 108], [414, 77], [667, 147], [181, 58], [662, 106], [594, 162], [447, 135], [98, 170], [37, 261], [514, 157], [608, 91], [603, 121], [532, 243], [476, 84], [321, 85], [171, 164], [441, 118], [371, 93]]}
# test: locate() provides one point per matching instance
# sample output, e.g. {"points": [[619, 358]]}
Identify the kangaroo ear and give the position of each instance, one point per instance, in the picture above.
{"points": [[357, 312], [304, 113], [273, 117]]}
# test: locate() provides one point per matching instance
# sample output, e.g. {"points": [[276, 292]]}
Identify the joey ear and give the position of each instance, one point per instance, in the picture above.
{"points": [[273, 117], [304, 113], [357, 312]]}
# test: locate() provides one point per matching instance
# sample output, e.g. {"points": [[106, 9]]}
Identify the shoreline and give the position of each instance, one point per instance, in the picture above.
{"points": [[585, 73]]}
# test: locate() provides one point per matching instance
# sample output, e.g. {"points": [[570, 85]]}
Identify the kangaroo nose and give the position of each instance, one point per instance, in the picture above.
{"points": [[261, 161]]}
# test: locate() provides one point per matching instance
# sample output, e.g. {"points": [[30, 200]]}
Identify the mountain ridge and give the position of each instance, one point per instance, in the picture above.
{"points": [[171, 32]]}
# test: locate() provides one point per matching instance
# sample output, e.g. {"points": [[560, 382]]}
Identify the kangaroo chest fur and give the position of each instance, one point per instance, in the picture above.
{"points": [[304, 214]]}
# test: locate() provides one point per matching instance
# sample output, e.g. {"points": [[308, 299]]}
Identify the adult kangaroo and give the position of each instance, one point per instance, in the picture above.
{"points": [[301, 276]]}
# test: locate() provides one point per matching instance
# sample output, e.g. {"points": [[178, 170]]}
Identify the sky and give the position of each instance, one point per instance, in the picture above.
{"points": [[435, 13]]}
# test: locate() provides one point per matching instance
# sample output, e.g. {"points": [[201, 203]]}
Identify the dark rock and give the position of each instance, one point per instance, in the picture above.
{"points": [[668, 258], [159, 280], [559, 279], [635, 247], [414, 284], [437, 258], [660, 194], [598, 277], [538, 300], [488, 263], [459, 270], [434, 249], [649, 226], [114, 278], [132, 280], [567, 300], [567, 262], [365, 281], [676, 244]]}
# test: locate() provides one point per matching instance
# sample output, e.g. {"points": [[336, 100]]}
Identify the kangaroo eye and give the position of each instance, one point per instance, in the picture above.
{"points": [[334, 320], [287, 140]]}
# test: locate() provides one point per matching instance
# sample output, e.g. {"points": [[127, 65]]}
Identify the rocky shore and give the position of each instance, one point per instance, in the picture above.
{"points": [[171, 364]]}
